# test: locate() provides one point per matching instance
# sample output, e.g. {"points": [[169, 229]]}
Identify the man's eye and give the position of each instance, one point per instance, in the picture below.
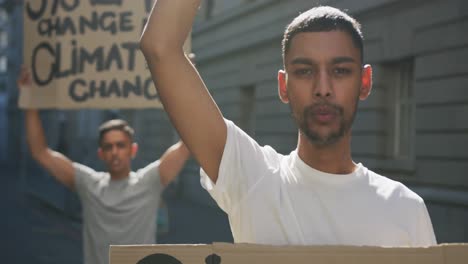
{"points": [[302, 72], [342, 71], [106, 147]]}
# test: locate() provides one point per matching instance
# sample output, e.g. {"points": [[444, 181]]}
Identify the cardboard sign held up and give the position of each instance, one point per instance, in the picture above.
{"points": [[222, 253], [85, 54]]}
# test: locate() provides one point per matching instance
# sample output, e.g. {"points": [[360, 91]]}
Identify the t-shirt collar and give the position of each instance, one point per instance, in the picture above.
{"points": [[307, 172]]}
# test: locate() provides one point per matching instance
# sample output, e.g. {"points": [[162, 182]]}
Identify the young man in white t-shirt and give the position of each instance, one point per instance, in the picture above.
{"points": [[317, 194]]}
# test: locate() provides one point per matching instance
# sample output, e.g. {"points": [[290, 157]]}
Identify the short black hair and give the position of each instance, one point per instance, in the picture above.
{"points": [[115, 124], [323, 19]]}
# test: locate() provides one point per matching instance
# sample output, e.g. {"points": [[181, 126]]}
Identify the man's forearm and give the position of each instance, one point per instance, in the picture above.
{"points": [[182, 149], [168, 26], [173, 161], [35, 132]]}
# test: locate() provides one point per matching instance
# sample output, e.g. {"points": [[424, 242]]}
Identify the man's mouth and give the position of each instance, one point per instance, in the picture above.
{"points": [[324, 113], [325, 117]]}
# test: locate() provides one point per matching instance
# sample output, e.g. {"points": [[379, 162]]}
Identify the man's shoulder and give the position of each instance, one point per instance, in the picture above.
{"points": [[392, 189], [246, 143], [148, 173], [83, 171], [152, 167]]}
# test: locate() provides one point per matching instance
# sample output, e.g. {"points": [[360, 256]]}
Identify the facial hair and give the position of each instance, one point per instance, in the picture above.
{"points": [[310, 131]]}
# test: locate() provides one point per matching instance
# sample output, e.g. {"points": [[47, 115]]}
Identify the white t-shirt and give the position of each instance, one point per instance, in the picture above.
{"points": [[275, 199], [117, 212]]}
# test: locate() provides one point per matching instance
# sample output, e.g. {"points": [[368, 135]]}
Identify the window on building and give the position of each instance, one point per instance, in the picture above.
{"points": [[3, 39], [209, 8], [3, 64], [3, 49], [3, 86], [247, 109], [398, 79]]}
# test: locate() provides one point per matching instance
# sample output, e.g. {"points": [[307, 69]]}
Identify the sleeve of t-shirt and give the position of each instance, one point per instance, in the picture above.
{"points": [[243, 164], [425, 231], [149, 176], [85, 177]]}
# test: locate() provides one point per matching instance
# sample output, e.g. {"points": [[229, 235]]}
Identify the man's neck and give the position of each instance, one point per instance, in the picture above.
{"points": [[334, 158], [119, 175]]}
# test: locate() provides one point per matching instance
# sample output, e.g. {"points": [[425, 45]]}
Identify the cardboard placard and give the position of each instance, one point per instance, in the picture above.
{"points": [[85, 54], [223, 253]]}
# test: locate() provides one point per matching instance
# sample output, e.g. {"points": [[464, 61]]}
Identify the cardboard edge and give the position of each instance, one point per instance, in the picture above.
{"points": [[456, 253]]}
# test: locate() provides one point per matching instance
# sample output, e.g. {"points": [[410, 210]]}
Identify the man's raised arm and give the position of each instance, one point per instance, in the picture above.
{"points": [[57, 164], [172, 162], [190, 107]]}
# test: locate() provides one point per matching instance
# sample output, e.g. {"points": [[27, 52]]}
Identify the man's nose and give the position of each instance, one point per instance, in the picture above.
{"points": [[323, 86], [114, 150]]}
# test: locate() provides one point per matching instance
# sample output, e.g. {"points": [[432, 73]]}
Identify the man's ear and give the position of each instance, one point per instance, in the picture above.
{"points": [[282, 87], [366, 82], [100, 153], [134, 149]]}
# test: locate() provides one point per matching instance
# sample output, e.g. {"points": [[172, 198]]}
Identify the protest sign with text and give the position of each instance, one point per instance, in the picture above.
{"points": [[85, 54]]}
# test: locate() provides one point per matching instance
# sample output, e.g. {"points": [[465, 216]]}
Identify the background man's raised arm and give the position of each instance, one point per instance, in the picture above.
{"points": [[172, 162], [57, 164], [190, 107]]}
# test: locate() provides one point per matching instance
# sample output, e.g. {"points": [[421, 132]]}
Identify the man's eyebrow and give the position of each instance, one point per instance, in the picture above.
{"points": [[302, 60], [114, 143], [343, 59], [337, 60]]}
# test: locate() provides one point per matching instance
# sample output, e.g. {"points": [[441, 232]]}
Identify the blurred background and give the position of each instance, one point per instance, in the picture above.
{"points": [[413, 128]]}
